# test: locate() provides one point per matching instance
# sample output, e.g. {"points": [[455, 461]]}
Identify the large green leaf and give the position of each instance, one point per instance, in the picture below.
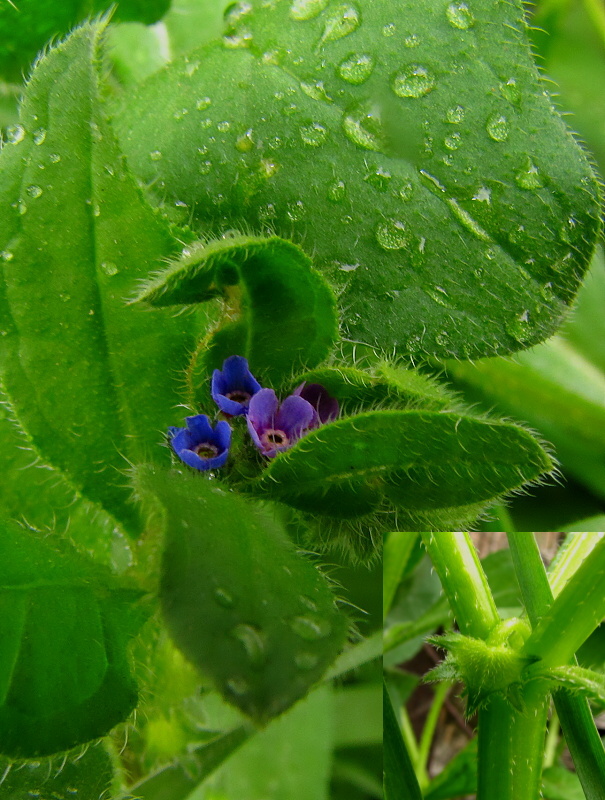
{"points": [[92, 379], [416, 460], [411, 148], [26, 26], [64, 630], [241, 604]]}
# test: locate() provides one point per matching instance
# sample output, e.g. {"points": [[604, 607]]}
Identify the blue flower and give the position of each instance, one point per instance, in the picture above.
{"points": [[273, 428], [324, 404], [234, 386], [199, 444]]}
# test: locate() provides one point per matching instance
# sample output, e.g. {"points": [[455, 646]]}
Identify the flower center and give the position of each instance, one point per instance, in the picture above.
{"points": [[206, 450], [274, 438], [239, 396]]}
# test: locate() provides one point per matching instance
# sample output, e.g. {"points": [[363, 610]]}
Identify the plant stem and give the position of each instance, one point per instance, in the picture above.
{"points": [[428, 732], [574, 713], [552, 741], [457, 564], [397, 549], [511, 744]]}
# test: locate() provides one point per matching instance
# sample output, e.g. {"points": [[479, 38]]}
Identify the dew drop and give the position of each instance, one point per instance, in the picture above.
{"points": [[313, 134], [511, 91], [39, 136], [379, 178], [224, 598], [295, 211], [109, 268], [455, 115], [6, 255], [155, 155], [267, 212], [245, 142], [237, 686], [363, 126], [55, 158], [310, 629], [442, 338], [497, 127], [391, 234], [412, 41], [356, 68], [253, 642], [34, 191], [306, 661], [405, 192], [181, 113], [223, 127], [414, 81], [529, 177], [348, 267], [519, 327], [453, 141], [236, 40], [268, 168], [337, 191], [390, 29], [15, 134], [20, 206], [308, 602], [302, 10], [343, 20], [459, 15], [206, 167], [203, 103], [316, 91]]}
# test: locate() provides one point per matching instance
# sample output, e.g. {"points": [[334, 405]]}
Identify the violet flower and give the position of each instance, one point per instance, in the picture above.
{"points": [[273, 428], [324, 404], [234, 386], [199, 444]]}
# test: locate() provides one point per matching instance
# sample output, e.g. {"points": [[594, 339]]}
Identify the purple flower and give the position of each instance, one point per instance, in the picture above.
{"points": [[274, 429], [199, 444], [324, 404], [234, 386]]}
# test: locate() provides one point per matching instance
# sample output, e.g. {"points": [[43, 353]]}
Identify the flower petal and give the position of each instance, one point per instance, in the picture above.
{"points": [[294, 416], [200, 428], [325, 405], [182, 440], [263, 410], [222, 435], [235, 376], [202, 464]]}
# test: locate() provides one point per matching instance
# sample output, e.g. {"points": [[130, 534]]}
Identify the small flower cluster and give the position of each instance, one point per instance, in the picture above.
{"points": [[272, 427]]}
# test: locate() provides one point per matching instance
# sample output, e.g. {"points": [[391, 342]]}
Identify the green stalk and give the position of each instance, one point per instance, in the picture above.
{"points": [[461, 574], [575, 613], [574, 713], [511, 745], [400, 782], [428, 733], [575, 549]]}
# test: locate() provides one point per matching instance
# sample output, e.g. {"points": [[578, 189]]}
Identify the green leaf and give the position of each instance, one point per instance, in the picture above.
{"points": [[358, 715], [27, 25], [450, 205], [65, 626], [415, 460], [459, 778], [291, 758], [241, 604], [559, 783], [87, 775], [400, 782], [288, 312], [92, 379], [178, 780]]}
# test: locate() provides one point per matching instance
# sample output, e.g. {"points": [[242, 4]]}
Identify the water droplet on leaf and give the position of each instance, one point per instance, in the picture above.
{"points": [[529, 177], [302, 10], [455, 115], [34, 191], [460, 16], [390, 29], [295, 211], [224, 598], [414, 81], [15, 134], [453, 141], [379, 178], [313, 134], [109, 268], [155, 155], [342, 21], [511, 91], [316, 91], [363, 126], [337, 191], [356, 68], [412, 41], [39, 136], [203, 103], [6, 255], [253, 642], [497, 127], [391, 234], [223, 127], [311, 629]]}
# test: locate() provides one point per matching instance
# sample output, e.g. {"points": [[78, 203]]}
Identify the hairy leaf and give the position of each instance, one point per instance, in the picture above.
{"points": [[415, 459], [412, 150], [240, 603], [288, 312], [64, 630], [92, 379]]}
